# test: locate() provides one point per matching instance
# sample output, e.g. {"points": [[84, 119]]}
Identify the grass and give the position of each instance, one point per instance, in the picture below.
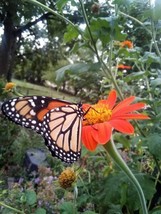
{"points": [[26, 88]]}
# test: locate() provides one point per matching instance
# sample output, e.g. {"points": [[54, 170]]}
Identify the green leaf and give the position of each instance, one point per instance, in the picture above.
{"points": [[123, 191], [115, 209], [120, 189], [61, 3], [154, 145], [7, 211], [67, 208], [105, 28], [150, 58], [31, 197], [156, 82], [40, 211], [75, 69], [136, 76], [72, 33], [156, 210], [121, 2]]}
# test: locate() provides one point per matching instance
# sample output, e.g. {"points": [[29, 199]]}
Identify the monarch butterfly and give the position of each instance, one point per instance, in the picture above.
{"points": [[58, 121]]}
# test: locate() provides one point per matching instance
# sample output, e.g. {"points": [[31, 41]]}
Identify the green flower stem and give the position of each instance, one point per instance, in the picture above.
{"points": [[88, 27], [112, 151], [14, 91], [11, 208]]}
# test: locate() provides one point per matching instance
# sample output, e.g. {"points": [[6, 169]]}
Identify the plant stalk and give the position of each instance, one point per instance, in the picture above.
{"points": [[112, 151], [11, 208]]}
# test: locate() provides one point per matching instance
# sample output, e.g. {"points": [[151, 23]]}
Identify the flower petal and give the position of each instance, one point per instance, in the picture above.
{"points": [[122, 126], [128, 109], [103, 134], [89, 142], [111, 99], [124, 103], [131, 116]]}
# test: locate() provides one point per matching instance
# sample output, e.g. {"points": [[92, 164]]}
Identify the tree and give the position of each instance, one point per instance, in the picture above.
{"points": [[16, 17]]}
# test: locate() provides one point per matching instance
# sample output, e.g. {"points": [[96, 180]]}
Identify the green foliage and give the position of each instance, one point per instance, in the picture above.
{"points": [[40, 211], [71, 34], [67, 208], [154, 145], [31, 197], [84, 61]]}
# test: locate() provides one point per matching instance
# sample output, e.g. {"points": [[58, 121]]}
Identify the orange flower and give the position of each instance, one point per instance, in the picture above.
{"points": [[100, 119], [122, 67], [127, 44], [9, 86]]}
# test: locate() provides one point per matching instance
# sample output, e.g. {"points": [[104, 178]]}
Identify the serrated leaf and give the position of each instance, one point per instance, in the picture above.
{"points": [[100, 29], [31, 197]]}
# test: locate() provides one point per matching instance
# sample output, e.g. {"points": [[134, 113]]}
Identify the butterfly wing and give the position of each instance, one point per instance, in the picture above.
{"points": [[29, 111], [62, 132]]}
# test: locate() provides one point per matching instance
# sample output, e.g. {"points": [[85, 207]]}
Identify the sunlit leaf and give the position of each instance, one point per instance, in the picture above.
{"points": [[70, 34]]}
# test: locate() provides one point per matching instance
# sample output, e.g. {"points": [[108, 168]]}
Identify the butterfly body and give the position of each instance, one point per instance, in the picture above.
{"points": [[58, 121]]}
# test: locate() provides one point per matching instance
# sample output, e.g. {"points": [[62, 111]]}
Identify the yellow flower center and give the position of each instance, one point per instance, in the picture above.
{"points": [[97, 113]]}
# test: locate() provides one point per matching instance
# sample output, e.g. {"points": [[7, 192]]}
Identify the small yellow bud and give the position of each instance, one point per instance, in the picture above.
{"points": [[67, 178], [9, 86]]}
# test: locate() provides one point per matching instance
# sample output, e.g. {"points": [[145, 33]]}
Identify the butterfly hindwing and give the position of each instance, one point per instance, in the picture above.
{"points": [[62, 132]]}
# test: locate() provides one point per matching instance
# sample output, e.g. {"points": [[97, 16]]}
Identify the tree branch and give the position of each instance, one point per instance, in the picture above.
{"points": [[30, 24]]}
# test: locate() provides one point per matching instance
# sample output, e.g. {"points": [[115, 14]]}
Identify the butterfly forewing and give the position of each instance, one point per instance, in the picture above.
{"points": [[62, 131], [29, 111]]}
